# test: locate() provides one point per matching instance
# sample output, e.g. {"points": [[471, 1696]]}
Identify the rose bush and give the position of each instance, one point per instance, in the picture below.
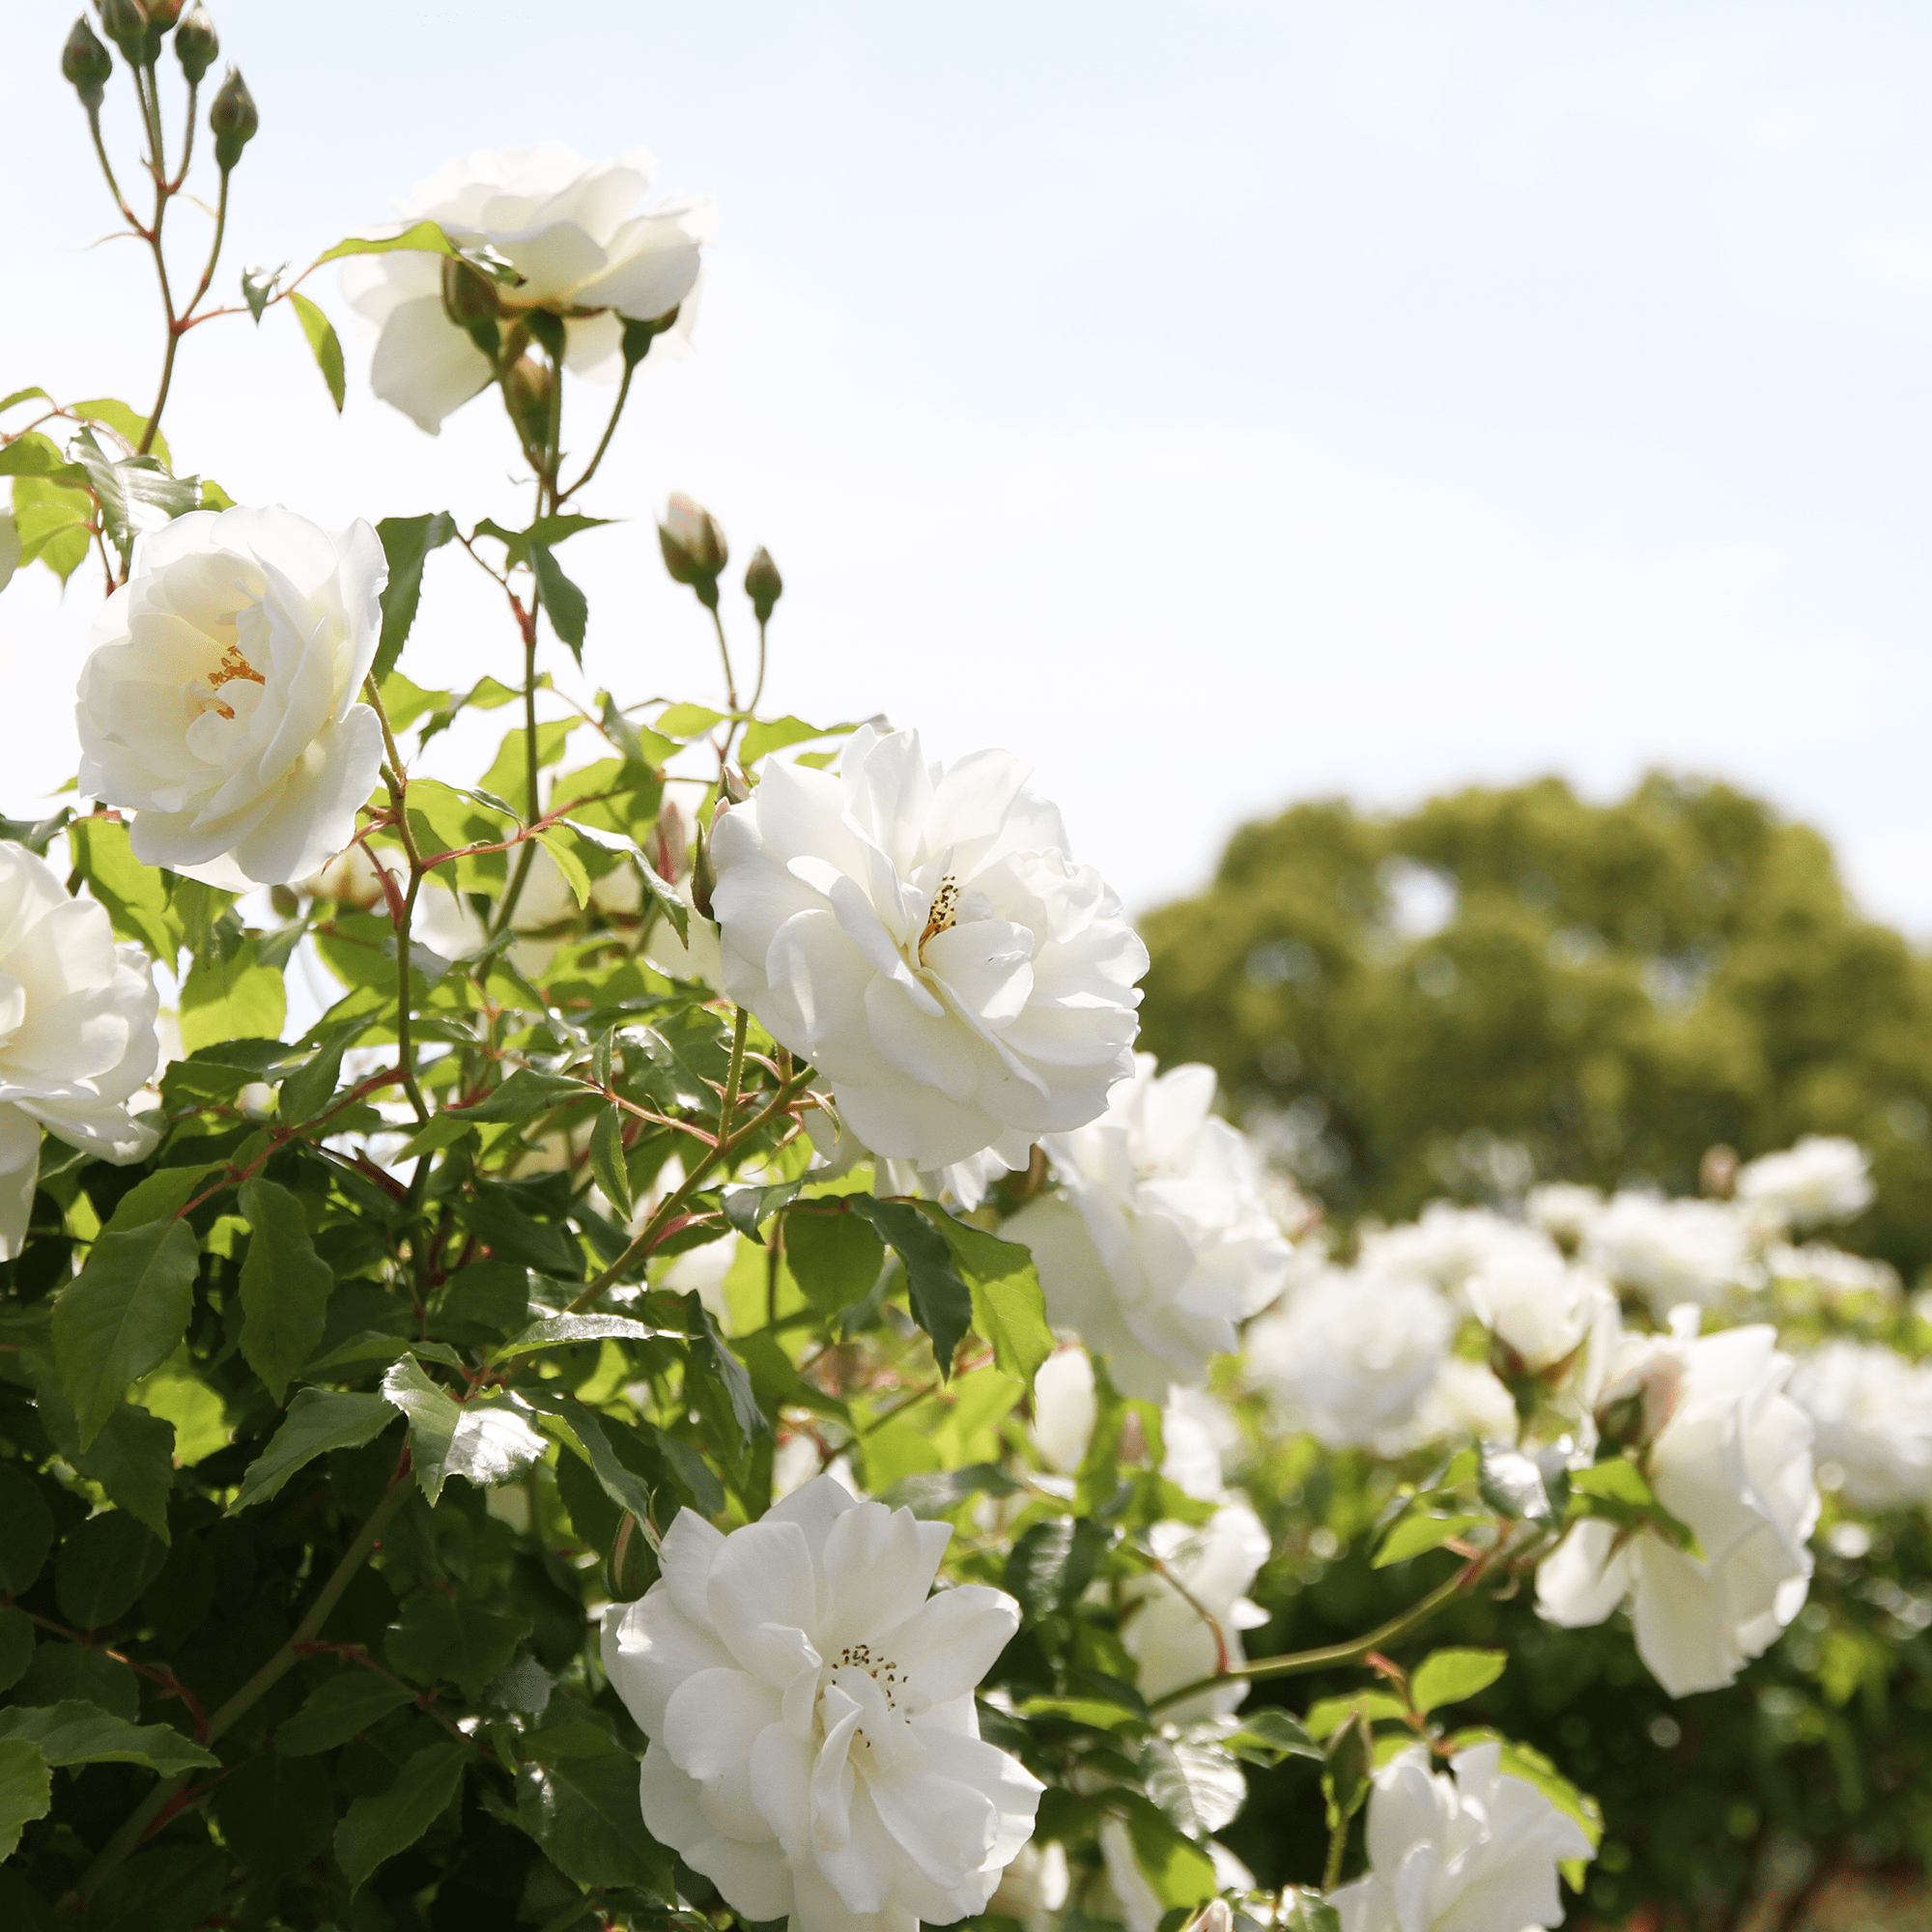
{"points": [[656, 1364]]}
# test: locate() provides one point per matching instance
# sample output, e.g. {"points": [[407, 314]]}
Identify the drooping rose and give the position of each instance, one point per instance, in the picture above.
{"points": [[76, 1032], [815, 1751], [566, 228], [220, 700], [1729, 1453], [920, 936], [1159, 1240], [1472, 1849]]}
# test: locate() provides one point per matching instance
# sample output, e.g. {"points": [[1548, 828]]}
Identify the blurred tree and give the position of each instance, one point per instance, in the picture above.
{"points": [[1508, 982]]}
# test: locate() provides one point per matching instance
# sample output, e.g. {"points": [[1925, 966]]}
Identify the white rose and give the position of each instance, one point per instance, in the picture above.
{"points": [[694, 956], [815, 1751], [1538, 1306], [1824, 1177], [76, 1034], [1465, 1400], [1034, 1888], [1351, 1357], [920, 935], [1731, 1457], [1475, 1851], [1160, 1239], [1670, 1251], [1445, 1244], [1830, 1274], [1872, 1414], [1141, 1908], [565, 226], [1564, 1209], [1167, 1635], [1064, 1408], [219, 699]]}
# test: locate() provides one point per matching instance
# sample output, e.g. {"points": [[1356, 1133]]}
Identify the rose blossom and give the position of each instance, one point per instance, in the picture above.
{"points": [[219, 694], [1170, 1641], [920, 935], [1824, 1177], [1445, 1244], [565, 226], [1538, 1306], [1160, 1238], [76, 1034], [1871, 1412], [815, 1750], [1729, 1453], [1669, 1251], [1475, 1851]]}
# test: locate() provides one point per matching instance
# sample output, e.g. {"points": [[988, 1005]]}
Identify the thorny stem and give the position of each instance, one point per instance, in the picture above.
{"points": [[1338, 1847], [135, 1827]]}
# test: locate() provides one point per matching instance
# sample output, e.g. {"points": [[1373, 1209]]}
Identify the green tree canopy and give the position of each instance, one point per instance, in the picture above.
{"points": [[1437, 1000]]}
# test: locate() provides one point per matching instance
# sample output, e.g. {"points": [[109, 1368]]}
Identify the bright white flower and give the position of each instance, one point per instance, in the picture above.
{"points": [[1034, 1888], [815, 1751], [1141, 1907], [1824, 1177], [920, 935], [1729, 1454], [1064, 1408], [1538, 1306], [1445, 1244], [1160, 1239], [1830, 1274], [565, 226], [1565, 1210], [1352, 1357], [1871, 1412], [1465, 1400], [1670, 1251], [76, 1032], [1475, 1851], [221, 695], [1167, 1635], [696, 956], [1197, 1435]]}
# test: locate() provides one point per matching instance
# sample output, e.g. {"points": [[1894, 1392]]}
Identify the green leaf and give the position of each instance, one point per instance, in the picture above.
{"points": [[425, 237], [776, 734], [104, 1564], [748, 1208], [76, 1733], [258, 285], [1053, 1562], [523, 1096], [668, 903], [382, 1823], [236, 998], [135, 896], [285, 1286], [1178, 1869], [565, 603], [26, 1532], [318, 1420], [128, 424], [1269, 1734], [323, 344], [627, 1463], [1524, 1761], [1512, 1484], [1009, 1308], [26, 1790], [583, 1811], [26, 395], [136, 495], [942, 1304], [563, 849], [440, 1130], [133, 1460], [687, 720], [311, 1088], [339, 1709], [938, 1492], [123, 1315], [1616, 1489], [170, 1888], [276, 1813], [456, 1638], [407, 543], [1448, 1676], [1327, 1715], [54, 523], [606, 1159], [36, 455], [710, 1355], [562, 1330], [834, 1258], [17, 1647], [214, 497], [1303, 1909], [64, 1672], [1097, 1714], [1412, 1534], [433, 1415]]}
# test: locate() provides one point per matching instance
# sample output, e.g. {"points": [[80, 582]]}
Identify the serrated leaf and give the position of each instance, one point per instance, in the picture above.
{"points": [[941, 1302], [1448, 1676], [135, 896], [453, 1638], [123, 1315], [26, 1790], [748, 1208], [433, 1415], [233, 997], [1512, 1484], [380, 1824], [1053, 1562], [285, 1286], [523, 1096], [582, 1808], [338, 1709], [563, 854], [74, 1732], [424, 236], [324, 345], [606, 1159], [407, 544], [568, 610], [1009, 1307], [318, 1420], [667, 901], [562, 1330], [136, 493], [1179, 1872], [125, 421], [1417, 1532]]}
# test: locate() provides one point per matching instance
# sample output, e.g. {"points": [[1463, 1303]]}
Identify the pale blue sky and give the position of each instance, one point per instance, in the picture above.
{"points": [[1216, 403]]}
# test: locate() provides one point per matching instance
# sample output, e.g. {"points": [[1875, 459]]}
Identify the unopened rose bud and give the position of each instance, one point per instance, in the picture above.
{"points": [[232, 120], [1717, 1171], [763, 585], [196, 42], [735, 785], [469, 294], [162, 14], [86, 65], [126, 24], [702, 877], [1631, 1414], [526, 390], [693, 547]]}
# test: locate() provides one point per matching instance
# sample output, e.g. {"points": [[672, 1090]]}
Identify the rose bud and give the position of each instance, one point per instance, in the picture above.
{"points": [[693, 547], [763, 585], [232, 120], [196, 43], [86, 64]]}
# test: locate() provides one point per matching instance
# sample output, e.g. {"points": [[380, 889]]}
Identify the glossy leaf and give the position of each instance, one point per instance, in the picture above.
{"points": [[1009, 1307], [407, 543], [942, 1304], [26, 1789], [123, 1315], [318, 1421], [285, 1286], [339, 1709], [380, 1824], [432, 1415], [77, 1733]]}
